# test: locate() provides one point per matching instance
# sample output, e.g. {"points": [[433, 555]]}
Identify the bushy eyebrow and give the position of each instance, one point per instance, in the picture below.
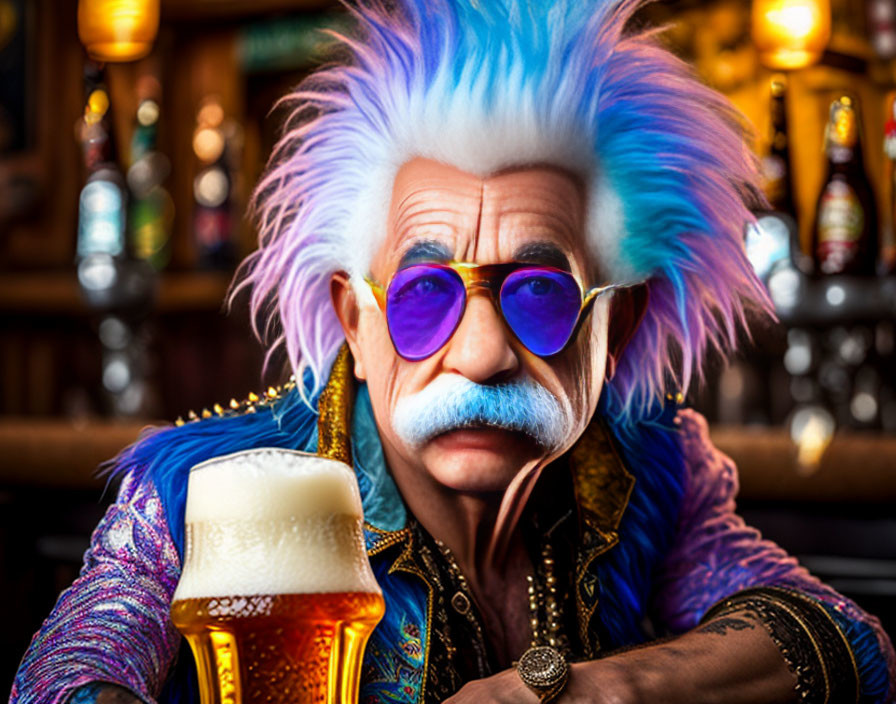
{"points": [[544, 253], [425, 251]]}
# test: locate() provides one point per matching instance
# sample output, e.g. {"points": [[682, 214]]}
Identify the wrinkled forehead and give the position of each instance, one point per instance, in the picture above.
{"points": [[457, 214]]}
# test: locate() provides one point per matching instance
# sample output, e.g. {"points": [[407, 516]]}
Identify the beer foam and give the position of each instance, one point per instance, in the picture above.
{"points": [[273, 521]]}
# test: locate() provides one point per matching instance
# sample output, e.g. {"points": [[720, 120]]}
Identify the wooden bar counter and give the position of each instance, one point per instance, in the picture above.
{"points": [[856, 468], [60, 454]]}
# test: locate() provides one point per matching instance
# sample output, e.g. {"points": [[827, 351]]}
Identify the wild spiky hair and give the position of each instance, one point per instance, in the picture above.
{"points": [[484, 85]]}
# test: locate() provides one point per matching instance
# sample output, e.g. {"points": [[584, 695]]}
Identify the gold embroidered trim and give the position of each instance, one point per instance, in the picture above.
{"points": [[237, 408], [602, 484], [334, 439], [584, 613], [390, 538], [603, 488], [826, 675], [824, 614]]}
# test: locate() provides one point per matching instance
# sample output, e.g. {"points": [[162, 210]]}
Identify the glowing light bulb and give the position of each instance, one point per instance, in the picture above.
{"points": [[118, 30], [811, 429], [791, 34]]}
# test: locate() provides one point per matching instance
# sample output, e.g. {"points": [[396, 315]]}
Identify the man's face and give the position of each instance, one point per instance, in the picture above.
{"points": [[438, 214]]}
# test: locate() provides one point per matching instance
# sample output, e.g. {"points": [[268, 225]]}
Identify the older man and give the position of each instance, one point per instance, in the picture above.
{"points": [[526, 224]]}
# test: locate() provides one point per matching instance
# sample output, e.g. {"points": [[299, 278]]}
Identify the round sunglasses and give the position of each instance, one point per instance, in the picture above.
{"points": [[424, 304]]}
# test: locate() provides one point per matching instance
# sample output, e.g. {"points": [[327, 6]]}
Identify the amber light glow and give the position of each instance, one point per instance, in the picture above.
{"points": [[791, 34], [118, 30]]}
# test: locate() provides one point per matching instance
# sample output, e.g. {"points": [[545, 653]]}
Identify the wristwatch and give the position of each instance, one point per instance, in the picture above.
{"points": [[543, 670]]}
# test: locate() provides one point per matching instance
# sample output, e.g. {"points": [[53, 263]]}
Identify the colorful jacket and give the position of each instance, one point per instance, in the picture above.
{"points": [[661, 542]]}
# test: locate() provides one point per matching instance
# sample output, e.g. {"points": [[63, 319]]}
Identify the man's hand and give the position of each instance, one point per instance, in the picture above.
{"points": [[504, 688], [597, 682], [731, 659]]}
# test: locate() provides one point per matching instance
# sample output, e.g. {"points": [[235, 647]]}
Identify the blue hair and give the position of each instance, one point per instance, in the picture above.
{"points": [[486, 85]]}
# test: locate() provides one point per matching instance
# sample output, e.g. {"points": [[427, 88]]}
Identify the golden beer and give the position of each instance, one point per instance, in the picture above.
{"points": [[279, 648], [276, 598]]}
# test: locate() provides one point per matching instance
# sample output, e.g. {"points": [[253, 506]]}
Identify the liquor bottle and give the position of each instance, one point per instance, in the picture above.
{"points": [[103, 200], [882, 27], [845, 234], [213, 223], [776, 164], [888, 245], [151, 206]]}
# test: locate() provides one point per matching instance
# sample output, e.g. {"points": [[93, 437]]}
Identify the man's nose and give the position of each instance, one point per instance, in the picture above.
{"points": [[480, 347]]}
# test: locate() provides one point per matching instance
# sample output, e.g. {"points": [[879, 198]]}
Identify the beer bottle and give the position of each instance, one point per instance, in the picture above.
{"points": [[776, 164], [845, 233]]}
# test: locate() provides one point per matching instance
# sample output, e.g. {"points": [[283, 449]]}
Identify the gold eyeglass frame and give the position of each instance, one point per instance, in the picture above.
{"points": [[491, 277]]}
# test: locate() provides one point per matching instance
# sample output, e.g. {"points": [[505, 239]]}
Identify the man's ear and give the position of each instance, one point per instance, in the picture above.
{"points": [[626, 312], [345, 303]]}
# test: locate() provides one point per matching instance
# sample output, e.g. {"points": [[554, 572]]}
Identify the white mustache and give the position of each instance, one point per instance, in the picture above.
{"points": [[452, 402]]}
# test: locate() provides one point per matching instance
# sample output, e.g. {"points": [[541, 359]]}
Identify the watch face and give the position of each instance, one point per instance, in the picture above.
{"points": [[542, 667]]}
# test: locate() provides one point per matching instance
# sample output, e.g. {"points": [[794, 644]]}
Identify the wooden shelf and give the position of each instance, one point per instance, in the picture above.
{"points": [[58, 293], [828, 301], [196, 10]]}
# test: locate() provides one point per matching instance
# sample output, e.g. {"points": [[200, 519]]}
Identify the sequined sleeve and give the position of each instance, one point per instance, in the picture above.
{"points": [[112, 624], [715, 555]]}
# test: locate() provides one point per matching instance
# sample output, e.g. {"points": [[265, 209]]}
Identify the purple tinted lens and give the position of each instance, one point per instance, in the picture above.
{"points": [[542, 307], [423, 306]]}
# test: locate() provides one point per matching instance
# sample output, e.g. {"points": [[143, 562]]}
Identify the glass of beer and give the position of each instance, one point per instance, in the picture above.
{"points": [[276, 598]]}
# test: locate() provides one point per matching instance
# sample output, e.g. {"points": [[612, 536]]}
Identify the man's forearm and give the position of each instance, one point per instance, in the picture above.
{"points": [[730, 659]]}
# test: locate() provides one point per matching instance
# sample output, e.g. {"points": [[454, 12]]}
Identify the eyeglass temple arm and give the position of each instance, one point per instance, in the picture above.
{"points": [[379, 293], [592, 294]]}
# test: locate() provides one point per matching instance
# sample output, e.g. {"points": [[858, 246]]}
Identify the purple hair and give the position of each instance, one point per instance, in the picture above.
{"points": [[486, 85]]}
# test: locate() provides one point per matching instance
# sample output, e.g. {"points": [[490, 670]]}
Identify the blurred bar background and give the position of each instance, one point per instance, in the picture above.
{"points": [[123, 194]]}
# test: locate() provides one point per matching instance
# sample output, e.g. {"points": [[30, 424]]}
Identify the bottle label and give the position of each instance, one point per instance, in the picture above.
{"points": [[890, 139], [841, 221]]}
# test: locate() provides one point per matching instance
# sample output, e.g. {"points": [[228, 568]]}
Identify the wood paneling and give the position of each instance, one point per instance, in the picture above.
{"points": [[48, 239]]}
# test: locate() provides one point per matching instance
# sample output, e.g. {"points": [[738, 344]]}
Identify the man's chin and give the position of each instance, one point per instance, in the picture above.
{"points": [[478, 460]]}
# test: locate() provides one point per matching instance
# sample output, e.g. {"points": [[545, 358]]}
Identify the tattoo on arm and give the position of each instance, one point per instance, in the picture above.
{"points": [[721, 626]]}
